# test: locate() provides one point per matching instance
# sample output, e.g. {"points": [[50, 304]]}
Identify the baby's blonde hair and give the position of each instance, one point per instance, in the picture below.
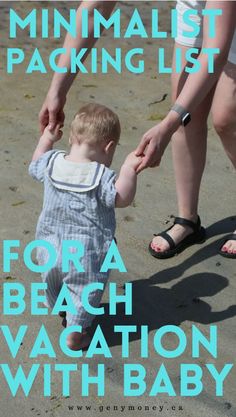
{"points": [[93, 124]]}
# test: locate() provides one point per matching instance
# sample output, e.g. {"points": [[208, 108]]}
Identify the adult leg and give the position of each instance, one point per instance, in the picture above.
{"points": [[189, 155], [224, 120]]}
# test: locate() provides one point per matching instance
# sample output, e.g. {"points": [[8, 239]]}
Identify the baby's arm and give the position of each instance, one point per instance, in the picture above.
{"points": [[46, 142], [127, 181]]}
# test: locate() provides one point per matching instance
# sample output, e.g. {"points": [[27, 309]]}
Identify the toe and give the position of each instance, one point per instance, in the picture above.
{"points": [[159, 244], [229, 247], [224, 248], [155, 247]]}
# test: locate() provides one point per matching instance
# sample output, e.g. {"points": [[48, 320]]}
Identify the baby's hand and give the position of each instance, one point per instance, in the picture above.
{"points": [[52, 135], [133, 161]]}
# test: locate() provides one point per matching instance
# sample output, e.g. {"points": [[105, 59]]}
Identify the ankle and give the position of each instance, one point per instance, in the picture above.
{"points": [[192, 217], [181, 227]]}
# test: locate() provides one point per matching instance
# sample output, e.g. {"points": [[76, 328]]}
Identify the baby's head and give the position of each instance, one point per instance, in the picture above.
{"points": [[98, 128]]}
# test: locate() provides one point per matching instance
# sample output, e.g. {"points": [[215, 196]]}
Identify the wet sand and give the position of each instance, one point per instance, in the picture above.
{"points": [[195, 288]]}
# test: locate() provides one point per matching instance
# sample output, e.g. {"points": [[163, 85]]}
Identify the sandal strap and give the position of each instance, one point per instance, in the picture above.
{"points": [[186, 222], [230, 237], [168, 238]]}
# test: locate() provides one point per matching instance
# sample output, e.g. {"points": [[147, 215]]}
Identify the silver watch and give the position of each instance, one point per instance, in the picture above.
{"points": [[184, 114]]}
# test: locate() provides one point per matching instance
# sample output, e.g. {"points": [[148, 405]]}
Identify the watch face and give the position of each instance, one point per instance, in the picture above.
{"points": [[186, 119]]}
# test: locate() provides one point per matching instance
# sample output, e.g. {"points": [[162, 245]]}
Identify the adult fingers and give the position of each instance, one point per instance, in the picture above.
{"points": [[151, 153], [61, 118], [143, 165], [43, 119], [58, 130], [156, 163], [142, 146], [57, 127], [53, 119], [151, 159]]}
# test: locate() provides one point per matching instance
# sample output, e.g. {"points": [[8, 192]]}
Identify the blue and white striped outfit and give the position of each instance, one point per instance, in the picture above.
{"points": [[79, 202]]}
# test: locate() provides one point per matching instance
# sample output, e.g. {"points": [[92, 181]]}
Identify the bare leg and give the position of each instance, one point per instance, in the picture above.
{"points": [[224, 119], [189, 155]]}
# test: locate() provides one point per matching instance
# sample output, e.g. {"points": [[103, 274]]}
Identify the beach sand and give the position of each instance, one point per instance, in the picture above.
{"points": [[195, 288]]}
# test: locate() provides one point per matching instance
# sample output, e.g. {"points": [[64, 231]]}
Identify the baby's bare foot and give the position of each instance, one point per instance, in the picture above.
{"points": [[177, 232], [77, 341]]}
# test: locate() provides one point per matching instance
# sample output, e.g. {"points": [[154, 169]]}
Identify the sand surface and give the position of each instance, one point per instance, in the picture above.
{"points": [[195, 288]]}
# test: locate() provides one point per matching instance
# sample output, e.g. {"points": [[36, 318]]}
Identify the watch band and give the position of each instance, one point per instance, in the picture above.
{"points": [[184, 114]]}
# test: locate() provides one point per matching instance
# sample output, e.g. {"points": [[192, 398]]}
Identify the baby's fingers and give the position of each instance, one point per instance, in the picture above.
{"points": [[58, 132]]}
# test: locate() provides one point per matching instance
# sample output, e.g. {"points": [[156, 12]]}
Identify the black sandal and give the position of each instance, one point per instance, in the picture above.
{"points": [[226, 254], [198, 236]]}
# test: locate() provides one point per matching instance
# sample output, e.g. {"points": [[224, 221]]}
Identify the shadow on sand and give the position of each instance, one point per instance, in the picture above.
{"points": [[156, 306]]}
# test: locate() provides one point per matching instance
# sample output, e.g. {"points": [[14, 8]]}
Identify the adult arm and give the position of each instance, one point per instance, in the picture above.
{"points": [[52, 110], [196, 87]]}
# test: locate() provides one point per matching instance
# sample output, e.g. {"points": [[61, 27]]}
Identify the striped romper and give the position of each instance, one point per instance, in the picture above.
{"points": [[79, 204]]}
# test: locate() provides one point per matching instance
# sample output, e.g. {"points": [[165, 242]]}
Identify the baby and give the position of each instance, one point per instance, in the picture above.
{"points": [[80, 195]]}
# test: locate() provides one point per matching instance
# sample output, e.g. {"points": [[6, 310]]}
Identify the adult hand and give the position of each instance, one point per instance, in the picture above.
{"points": [[152, 146], [155, 141], [51, 113]]}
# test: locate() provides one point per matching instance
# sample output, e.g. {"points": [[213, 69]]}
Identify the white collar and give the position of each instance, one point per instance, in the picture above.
{"points": [[74, 176]]}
